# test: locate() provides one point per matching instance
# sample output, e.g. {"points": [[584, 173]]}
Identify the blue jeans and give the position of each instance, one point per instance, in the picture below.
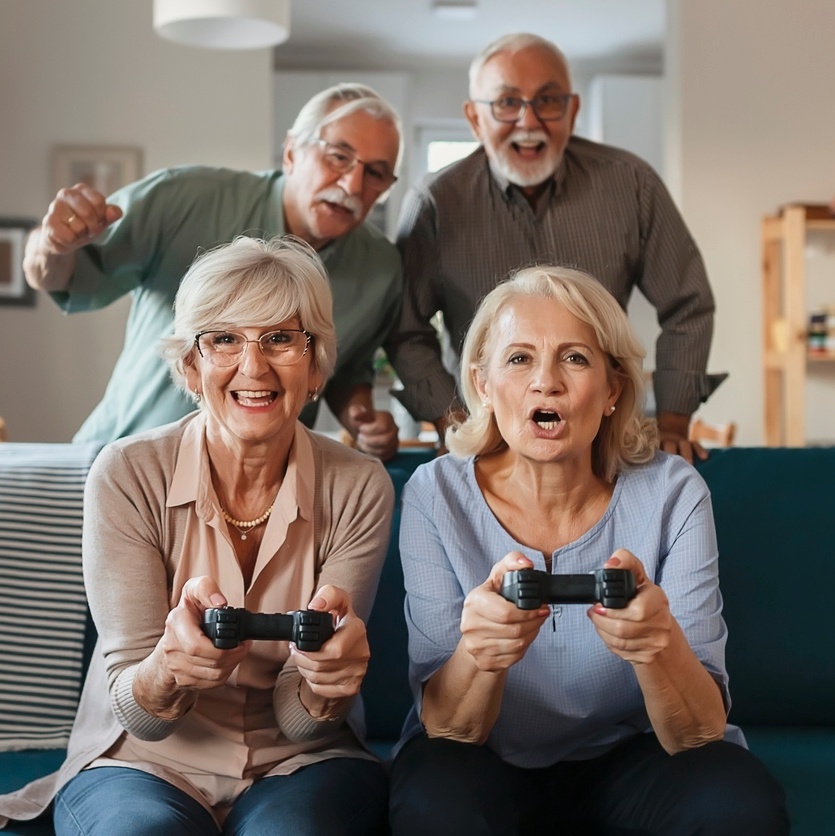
{"points": [[337, 796]]}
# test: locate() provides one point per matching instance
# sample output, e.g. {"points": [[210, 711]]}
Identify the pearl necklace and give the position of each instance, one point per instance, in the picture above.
{"points": [[245, 526]]}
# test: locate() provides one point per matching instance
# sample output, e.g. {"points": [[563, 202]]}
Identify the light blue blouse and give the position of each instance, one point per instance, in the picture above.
{"points": [[569, 698]]}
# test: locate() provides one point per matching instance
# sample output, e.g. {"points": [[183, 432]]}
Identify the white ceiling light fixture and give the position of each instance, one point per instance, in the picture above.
{"points": [[223, 24], [455, 9]]}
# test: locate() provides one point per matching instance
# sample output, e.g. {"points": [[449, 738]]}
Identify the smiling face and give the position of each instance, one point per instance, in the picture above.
{"points": [[526, 152], [321, 204], [546, 380], [253, 401]]}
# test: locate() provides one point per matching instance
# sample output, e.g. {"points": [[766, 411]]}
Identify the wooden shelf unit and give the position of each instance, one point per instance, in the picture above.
{"points": [[785, 323]]}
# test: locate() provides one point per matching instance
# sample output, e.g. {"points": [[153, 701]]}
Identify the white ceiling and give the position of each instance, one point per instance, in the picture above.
{"points": [[596, 35]]}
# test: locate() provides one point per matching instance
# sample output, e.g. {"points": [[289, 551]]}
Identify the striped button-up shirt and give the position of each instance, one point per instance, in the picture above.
{"points": [[605, 212]]}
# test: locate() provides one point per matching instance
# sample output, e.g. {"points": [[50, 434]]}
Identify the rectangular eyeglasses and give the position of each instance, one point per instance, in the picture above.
{"points": [[280, 348], [548, 107]]}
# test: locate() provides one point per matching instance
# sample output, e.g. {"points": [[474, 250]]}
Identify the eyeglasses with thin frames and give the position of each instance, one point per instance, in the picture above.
{"points": [[280, 348], [339, 158], [548, 107]]}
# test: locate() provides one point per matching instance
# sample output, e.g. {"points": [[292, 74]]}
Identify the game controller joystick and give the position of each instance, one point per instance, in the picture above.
{"points": [[227, 627], [529, 589]]}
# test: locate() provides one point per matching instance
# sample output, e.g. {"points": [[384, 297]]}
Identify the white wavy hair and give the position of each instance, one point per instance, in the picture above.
{"points": [[336, 103], [511, 43], [253, 282]]}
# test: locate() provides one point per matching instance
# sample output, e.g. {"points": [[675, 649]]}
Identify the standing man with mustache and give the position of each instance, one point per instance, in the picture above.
{"points": [[340, 157], [533, 193]]}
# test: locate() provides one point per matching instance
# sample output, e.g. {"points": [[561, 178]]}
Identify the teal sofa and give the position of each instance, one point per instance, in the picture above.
{"points": [[774, 517], [775, 521]]}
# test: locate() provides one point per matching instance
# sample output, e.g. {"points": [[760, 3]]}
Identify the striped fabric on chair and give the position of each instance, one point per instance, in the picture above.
{"points": [[41, 494]]}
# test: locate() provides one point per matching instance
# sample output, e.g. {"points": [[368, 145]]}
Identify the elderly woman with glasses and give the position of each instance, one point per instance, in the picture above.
{"points": [[235, 507], [535, 713]]}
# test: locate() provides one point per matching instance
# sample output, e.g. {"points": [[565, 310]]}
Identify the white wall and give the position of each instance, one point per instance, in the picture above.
{"points": [[627, 111], [753, 129], [93, 72]]}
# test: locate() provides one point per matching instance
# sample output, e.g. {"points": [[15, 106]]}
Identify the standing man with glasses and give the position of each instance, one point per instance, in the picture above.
{"points": [[340, 157], [533, 193]]}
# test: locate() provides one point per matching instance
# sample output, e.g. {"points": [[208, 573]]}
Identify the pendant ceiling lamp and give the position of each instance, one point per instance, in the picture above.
{"points": [[455, 9], [223, 24]]}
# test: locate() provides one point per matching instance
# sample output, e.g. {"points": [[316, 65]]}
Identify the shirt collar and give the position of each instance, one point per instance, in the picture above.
{"points": [[192, 481], [275, 206], [191, 470]]}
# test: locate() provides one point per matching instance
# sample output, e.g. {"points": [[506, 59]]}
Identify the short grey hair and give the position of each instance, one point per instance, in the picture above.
{"points": [[514, 42], [253, 282], [626, 437], [336, 103]]}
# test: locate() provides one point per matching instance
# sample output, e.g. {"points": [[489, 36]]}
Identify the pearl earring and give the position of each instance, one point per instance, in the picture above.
{"points": [[611, 409], [314, 396], [197, 396]]}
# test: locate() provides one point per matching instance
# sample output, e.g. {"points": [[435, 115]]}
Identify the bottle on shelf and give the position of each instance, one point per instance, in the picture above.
{"points": [[818, 331]]}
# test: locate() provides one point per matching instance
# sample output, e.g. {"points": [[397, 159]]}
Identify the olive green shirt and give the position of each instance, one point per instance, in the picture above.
{"points": [[171, 216]]}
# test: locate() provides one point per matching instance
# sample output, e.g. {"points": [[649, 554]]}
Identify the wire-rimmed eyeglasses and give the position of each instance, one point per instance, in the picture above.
{"points": [[377, 176], [280, 348], [549, 107]]}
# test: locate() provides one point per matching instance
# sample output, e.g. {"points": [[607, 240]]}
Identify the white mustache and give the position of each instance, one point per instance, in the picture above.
{"points": [[333, 194]]}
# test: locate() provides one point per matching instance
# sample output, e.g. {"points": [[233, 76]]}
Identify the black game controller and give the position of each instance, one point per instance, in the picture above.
{"points": [[227, 627], [529, 589]]}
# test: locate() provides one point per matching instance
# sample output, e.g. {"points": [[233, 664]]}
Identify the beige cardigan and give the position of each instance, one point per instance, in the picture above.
{"points": [[128, 485]]}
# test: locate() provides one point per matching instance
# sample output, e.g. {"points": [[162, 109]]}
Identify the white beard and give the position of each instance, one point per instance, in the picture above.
{"points": [[519, 172]]}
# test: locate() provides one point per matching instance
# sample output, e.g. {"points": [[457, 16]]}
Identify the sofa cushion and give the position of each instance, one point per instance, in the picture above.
{"points": [[773, 510], [803, 760], [42, 664], [386, 694]]}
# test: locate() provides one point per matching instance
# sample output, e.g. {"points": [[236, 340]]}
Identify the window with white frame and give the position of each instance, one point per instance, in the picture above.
{"points": [[438, 145]]}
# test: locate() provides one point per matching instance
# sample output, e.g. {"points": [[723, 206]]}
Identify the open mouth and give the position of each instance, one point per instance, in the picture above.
{"points": [[262, 397], [546, 419], [527, 147]]}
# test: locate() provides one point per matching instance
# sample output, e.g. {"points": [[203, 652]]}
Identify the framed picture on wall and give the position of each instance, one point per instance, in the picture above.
{"points": [[13, 287], [104, 167]]}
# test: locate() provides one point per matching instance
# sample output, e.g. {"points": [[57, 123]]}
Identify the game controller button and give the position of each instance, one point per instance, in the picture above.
{"points": [[225, 615]]}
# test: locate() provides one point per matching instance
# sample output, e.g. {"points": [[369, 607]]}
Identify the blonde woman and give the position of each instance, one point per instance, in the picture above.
{"points": [[565, 718]]}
